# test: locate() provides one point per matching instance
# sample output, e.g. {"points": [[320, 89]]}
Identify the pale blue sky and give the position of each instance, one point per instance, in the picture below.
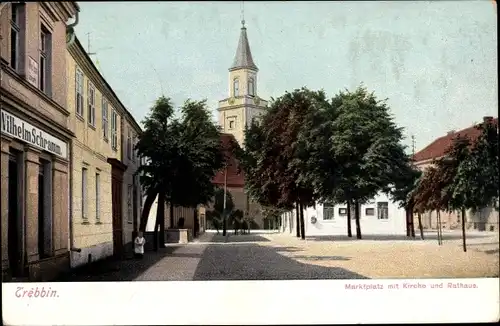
{"points": [[436, 62]]}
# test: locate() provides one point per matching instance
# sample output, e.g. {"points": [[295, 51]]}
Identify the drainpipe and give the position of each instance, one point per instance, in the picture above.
{"points": [[70, 38]]}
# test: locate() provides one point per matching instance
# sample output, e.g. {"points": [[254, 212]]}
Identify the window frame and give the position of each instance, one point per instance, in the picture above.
{"points": [[328, 210], [381, 209], [84, 199], [251, 90], [236, 87], [114, 130], [105, 118], [372, 210], [44, 70], [17, 9], [344, 210], [91, 99], [79, 91]]}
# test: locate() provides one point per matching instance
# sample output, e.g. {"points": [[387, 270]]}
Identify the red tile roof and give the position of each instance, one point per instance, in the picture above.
{"points": [[234, 179], [438, 147]]}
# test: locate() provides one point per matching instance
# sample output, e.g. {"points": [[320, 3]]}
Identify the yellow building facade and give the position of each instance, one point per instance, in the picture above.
{"points": [[96, 118]]}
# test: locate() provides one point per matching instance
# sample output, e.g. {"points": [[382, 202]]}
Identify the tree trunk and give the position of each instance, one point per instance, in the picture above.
{"points": [[408, 232], [356, 216], [297, 220], [463, 230], [412, 222], [160, 213], [440, 239], [150, 199], [349, 228], [302, 223], [420, 226]]}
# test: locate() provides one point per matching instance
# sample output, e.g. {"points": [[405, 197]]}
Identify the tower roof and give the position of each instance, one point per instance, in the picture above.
{"points": [[243, 57]]}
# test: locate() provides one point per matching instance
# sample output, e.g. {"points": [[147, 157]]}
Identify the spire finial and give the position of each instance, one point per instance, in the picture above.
{"points": [[243, 14]]}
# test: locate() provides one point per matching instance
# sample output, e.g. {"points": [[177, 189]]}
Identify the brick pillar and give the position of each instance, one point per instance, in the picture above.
{"points": [[32, 166], [60, 218], [5, 142]]}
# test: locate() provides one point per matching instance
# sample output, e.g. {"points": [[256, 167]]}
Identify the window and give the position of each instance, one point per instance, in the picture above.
{"points": [[129, 204], [342, 211], [45, 60], [231, 124], [91, 104], [134, 152], [17, 23], [236, 87], [97, 197], [105, 126], [114, 131], [129, 145], [44, 209], [383, 210], [79, 92], [251, 87], [328, 211], [84, 194], [369, 211]]}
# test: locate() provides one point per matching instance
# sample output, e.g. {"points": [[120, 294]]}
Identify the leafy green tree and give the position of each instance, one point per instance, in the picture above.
{"points": [[272, 155], [475, 183], [357, 148], [182, 157], [405, 177]]}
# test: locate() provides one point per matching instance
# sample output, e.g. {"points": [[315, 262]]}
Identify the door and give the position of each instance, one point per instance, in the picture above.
{"points": [[116, 195], [14, 235]]}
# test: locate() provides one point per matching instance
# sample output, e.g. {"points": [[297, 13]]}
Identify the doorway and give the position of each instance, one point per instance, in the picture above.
{"points": [[14, 235], [117, 170]]}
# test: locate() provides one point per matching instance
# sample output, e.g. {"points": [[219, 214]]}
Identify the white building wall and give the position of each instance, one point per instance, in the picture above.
{"points": [[370, 225]]}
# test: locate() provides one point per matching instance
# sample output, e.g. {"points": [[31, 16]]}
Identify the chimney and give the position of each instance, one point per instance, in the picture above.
{"points": [[487, 118], [451, 132]]}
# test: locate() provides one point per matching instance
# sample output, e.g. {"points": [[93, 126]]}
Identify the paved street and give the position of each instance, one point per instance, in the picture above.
{"points": [[268, 256]]}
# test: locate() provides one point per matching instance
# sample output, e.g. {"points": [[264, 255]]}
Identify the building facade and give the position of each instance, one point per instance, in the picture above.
{"points": [[132, 203], [35, 139], [380, 216], [100, 221], [486, 219]]}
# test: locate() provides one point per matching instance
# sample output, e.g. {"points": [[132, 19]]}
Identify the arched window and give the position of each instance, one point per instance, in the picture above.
{"points": [[236, 87], [251, 87]]}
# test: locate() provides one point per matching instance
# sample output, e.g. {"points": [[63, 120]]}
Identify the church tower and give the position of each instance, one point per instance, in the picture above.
{"points": [[243, 104]]}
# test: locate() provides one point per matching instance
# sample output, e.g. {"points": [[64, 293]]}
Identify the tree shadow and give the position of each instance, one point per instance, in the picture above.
{"points": [[492, 252], [232, 238], [320, 258], [389, 237], [254, 262], [112, 270], [288, 249]]}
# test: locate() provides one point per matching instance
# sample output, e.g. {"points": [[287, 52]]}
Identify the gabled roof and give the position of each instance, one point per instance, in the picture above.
{"points": [[243, 57], [438, 148], [233, 178]]}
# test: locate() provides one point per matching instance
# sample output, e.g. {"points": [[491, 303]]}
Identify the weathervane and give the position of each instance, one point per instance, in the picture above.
{"points": [[243, 13]]}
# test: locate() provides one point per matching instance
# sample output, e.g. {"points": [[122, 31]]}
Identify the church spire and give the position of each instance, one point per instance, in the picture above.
{"points": [[243, 58]]}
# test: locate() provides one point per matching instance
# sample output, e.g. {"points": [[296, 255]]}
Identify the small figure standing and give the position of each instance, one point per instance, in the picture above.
{"points": [[139, 245]]}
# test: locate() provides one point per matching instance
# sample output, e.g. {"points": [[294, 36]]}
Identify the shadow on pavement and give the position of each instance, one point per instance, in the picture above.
{"points": [[254, 262], [117, 270], [492, 252], [319, 258], [239, 238], [427, 236]]}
